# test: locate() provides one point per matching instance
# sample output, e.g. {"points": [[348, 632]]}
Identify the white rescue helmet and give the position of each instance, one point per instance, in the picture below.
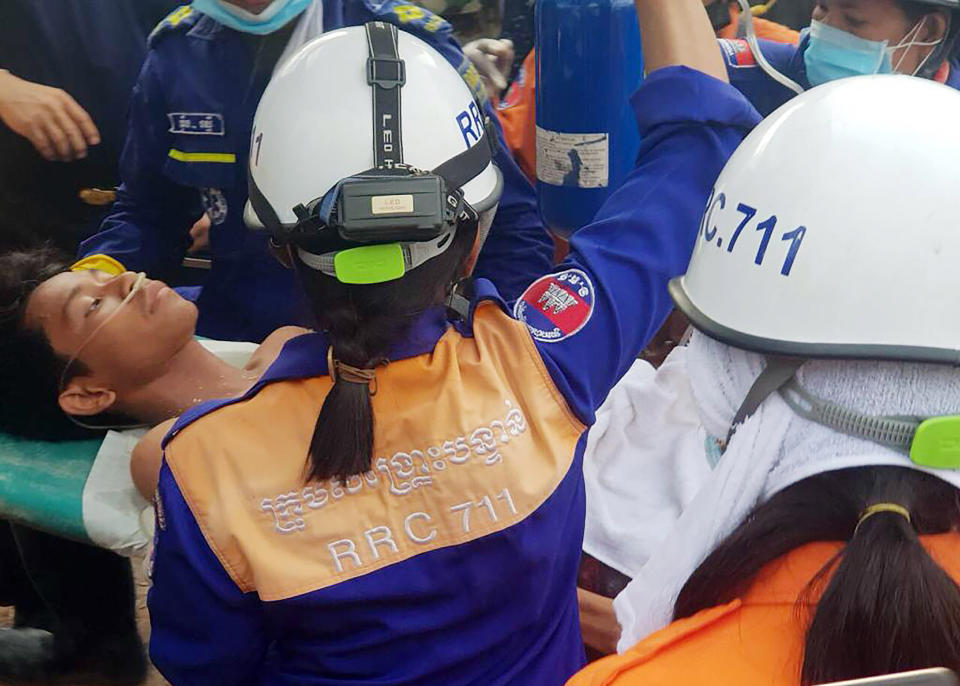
{"points": [[347, 139], [834, 229]]}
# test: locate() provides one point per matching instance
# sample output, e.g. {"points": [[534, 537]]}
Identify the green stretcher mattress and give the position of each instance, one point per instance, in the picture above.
{"points": [[82, 490]]}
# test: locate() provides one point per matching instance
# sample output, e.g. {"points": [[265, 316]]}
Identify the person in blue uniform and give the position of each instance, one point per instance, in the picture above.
{"points": [[350, 520], [853, 38], [189, 138]]}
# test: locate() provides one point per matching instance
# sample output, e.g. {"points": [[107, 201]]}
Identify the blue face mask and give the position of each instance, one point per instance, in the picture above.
{"points": [[277, 15], [834, 54]]}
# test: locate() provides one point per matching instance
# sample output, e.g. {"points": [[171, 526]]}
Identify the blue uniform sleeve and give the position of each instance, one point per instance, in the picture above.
{"points": [[148, 228], [592, 317], [765, 94], [518, 248], [204, 630]]}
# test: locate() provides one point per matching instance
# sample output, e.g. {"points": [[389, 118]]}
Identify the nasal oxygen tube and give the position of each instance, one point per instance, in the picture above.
{"points": [[751, 36], [137, 285]]}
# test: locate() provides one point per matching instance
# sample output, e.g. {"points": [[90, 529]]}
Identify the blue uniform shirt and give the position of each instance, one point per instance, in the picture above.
{"points": [[766, 94], [474, 582], [186, 151]]}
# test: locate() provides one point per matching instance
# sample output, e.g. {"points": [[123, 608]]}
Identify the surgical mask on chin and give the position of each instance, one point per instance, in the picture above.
{"points": [[835, 54], [277, 15]]}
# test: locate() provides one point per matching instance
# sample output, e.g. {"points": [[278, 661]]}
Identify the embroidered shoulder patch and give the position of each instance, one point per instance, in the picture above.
{"points": [[737, 53], [556, 306], [196, 123]]}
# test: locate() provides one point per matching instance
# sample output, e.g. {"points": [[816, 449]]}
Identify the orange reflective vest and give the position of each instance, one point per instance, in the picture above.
{"points": [[756, 640]]}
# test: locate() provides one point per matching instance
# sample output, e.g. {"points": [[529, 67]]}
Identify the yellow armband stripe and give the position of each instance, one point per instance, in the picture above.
{"points": [[220, 157]]}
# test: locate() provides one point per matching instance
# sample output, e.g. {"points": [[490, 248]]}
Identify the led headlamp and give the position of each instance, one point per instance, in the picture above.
{"points": [[377, 225]]}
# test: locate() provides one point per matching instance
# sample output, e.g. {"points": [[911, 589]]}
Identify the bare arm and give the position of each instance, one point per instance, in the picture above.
{"points": [[678, 33], [146, 458], [598, 623]]}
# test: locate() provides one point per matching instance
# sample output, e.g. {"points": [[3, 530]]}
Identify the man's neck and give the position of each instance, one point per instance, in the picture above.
{"points": [[194, 375]]}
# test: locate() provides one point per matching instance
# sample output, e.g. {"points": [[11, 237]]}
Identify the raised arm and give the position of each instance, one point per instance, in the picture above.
{"points": [[592, 318], [677, 33]]}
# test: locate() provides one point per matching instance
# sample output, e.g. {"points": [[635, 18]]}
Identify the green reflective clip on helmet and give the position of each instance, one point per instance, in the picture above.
{"points": [[936, 443]]}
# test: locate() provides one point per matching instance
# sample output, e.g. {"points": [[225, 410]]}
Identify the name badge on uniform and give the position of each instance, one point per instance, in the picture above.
{"points": [[196, 123]]}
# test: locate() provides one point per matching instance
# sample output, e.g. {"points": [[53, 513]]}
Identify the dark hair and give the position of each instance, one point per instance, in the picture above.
{"points": [[889, 607], [30, 370], [915, 11], [362, 324]]}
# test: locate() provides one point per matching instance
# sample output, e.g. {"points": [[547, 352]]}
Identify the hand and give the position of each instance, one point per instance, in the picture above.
{"points": [[493, 58], [48, 117], [200, 234]]}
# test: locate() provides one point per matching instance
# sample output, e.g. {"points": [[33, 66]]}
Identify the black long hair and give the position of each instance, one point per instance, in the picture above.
{"points": [[30, 369], [889, 607], [362, 323]]}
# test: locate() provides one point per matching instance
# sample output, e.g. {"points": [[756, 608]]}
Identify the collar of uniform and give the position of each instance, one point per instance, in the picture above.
{"points": [[206, 28], [783, 581], [483, 292], [306, 356], [798, 66]]}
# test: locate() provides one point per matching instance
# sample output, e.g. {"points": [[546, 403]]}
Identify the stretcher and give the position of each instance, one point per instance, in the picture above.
{"points": [[82, 490]]}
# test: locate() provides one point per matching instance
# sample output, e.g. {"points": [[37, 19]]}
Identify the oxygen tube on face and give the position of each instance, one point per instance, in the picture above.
{"points": [[751, 36], [137, 285]]}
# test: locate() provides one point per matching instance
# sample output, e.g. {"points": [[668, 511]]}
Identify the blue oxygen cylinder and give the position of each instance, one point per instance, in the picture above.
{"points": [[589, 63]]}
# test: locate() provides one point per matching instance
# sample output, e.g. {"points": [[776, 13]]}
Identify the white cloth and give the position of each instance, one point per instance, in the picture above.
{"points": [[770, 451], [309, 26], [645, 460], [115, 515]]}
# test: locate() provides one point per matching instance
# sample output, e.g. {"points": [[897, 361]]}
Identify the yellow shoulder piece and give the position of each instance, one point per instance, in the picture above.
{"points": [[182, 16]]}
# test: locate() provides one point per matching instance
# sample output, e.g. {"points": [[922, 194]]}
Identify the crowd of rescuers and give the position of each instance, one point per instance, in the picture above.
{"points": [[420, 387]]}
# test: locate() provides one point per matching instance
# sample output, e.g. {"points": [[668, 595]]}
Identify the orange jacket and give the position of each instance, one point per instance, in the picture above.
{"points": [[518, 116], [756, 640], [518, 109]]}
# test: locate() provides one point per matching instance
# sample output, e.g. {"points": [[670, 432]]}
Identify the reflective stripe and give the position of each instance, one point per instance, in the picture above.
{"points": [[221, 157]]}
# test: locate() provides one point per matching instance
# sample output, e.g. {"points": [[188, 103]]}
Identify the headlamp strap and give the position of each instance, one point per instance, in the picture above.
{"points": [[386, 74], [892, 432], [467, 165], [931, 442]]}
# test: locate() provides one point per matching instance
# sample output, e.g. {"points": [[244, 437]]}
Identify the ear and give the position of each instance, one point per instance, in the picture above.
{"points": [[85, 401], [935, 27]]}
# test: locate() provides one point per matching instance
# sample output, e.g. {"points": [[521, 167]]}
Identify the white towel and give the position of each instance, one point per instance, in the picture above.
{"points": [[645, 460], [309, 26], [772, 450]]}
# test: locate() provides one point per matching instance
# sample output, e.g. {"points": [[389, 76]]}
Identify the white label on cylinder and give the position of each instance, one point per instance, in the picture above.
{"points": [[578, 160], [391, 204]]}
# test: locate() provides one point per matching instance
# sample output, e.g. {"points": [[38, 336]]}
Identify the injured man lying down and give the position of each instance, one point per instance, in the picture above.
{"points": [[85, 348], [90, 347]]}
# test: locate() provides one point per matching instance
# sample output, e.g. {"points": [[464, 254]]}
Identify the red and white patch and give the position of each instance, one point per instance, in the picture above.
{"points": [[556, 306], [737, 53]]}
